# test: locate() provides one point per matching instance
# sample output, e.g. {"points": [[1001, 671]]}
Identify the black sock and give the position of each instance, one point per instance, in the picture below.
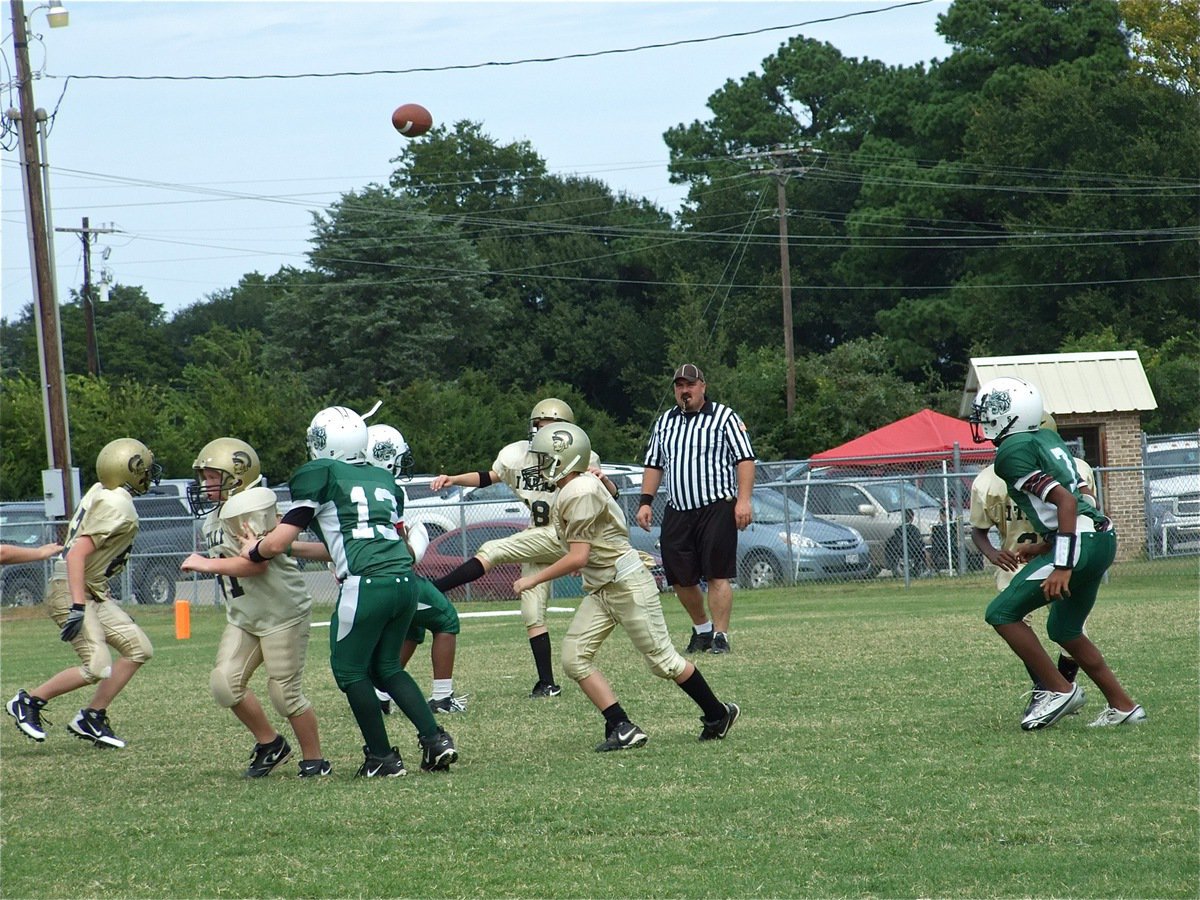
{"points": [[540, 646], [613, 716], [1037, 682], [697, 688], [468, 571], [1067, 667]]}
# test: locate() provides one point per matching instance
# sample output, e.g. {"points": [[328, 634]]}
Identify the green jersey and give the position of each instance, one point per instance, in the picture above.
{"points": [[356, 510], [1032, 464]]}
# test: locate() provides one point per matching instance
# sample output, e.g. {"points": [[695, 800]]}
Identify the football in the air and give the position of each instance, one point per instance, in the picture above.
{"points": [[412, 119]]}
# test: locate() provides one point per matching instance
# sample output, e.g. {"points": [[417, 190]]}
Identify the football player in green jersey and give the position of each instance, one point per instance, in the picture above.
{"points": [[1064, 568], [353, 508], [620, 591], [387, 448]]}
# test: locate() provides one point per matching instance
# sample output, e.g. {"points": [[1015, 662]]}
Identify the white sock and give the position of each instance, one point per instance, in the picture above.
{"points": [[443, 688], [706, 628], [382, 695]]}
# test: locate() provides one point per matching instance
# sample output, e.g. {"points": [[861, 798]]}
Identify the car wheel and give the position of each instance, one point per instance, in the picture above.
{"points": [[760, 570], [156, 586], [20, 592]]}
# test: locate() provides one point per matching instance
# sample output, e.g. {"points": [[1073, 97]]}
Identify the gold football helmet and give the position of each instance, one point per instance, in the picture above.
{"points": [[562, 448], [127, 463], [239, 467], [551, 408]]}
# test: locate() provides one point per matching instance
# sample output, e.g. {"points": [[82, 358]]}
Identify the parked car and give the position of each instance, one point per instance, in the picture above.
{"points": [[873, 508], [167, 533], [453, 507], [778, 547], [1173, 494], [24, 524]]}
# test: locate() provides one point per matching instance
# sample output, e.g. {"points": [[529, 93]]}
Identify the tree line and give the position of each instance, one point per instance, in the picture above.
{"points": [[1033, 192]]}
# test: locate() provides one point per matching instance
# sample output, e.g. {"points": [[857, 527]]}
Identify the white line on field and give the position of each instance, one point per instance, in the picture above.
{"points": [[484, 615]]}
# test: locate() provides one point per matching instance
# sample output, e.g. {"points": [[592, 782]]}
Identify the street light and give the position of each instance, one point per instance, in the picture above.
{"points": [[58, 15]]}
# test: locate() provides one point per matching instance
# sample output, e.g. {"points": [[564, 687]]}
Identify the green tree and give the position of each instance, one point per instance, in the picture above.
{"points": [[398, 296], [1165, 38]]}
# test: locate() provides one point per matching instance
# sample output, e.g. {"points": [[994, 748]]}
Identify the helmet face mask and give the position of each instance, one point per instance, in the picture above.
{"points": [[239, 468], [549, 410], [1003, 407], [127, 463], [387, 449], [337, 433], [562, 448]]}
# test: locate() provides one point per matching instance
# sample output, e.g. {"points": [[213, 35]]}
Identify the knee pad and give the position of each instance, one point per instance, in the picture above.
{"points": [[576, 666], [287, 698], [667, 664], [227, 689], [92, 677]]}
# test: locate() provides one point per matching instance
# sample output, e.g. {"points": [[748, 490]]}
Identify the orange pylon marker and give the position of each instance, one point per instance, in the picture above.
{"points": [[183, 620]]}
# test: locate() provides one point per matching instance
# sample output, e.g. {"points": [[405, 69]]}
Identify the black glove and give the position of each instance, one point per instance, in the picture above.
{"points": [[74, 623]]}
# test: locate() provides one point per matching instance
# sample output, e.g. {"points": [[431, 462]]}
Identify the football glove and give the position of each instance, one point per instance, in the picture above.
{"points": [[74, 623]]}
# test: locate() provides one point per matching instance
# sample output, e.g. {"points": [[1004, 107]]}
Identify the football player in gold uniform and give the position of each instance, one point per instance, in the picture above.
{"points": [[78, 598], [267, 608], [620, 591], [535, 547]]}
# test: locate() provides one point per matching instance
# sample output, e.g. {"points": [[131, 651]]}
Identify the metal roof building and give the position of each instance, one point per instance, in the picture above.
{"points": [[1071, 382]]}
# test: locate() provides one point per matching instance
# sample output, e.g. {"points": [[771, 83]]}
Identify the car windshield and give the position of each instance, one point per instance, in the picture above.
{"points": [[894, 497], [770, 508], [21, 526]]}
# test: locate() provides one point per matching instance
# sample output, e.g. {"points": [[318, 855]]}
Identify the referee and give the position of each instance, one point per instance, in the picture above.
{"points": [[703, 449]]}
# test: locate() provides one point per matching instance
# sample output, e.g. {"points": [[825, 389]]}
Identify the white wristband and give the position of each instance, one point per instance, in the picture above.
{"points": [[1064, 551]]}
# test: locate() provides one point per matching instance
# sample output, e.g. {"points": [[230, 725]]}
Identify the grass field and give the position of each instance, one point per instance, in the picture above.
{"points": [[878, 755]]}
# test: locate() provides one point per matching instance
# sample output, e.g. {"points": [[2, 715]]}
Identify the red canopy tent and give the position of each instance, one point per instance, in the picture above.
{"points": [[921, 437]]}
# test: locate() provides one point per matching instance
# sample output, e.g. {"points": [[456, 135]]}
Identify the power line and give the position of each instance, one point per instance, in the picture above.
{"points": [[497, 63]]}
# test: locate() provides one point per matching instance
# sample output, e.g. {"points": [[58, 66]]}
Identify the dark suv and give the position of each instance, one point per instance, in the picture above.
{"points": [[166, 535]]}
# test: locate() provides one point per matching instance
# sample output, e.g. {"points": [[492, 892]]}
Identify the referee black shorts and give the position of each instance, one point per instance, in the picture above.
{"points": [[699, 543]]}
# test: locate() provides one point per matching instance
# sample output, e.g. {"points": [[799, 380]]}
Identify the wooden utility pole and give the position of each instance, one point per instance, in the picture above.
{"points": [[785, 280], [58, 442], [781, 174], [89, 310]]}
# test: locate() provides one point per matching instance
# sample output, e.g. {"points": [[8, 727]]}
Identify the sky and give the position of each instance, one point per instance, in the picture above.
{"points": [[207, 180]]}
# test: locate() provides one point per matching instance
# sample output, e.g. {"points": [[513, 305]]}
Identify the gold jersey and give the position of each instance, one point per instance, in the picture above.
{"points": [[109, 518], [264, 603], [584, 511]]}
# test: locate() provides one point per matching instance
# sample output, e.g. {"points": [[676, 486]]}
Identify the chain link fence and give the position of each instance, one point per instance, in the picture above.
{"points": [[834, 521]]}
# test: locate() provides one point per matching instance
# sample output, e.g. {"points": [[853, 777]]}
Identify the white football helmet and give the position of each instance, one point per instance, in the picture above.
{"points": [[338, 433], [562, 448], [387, 449], [551, 408], [1005, 406]]}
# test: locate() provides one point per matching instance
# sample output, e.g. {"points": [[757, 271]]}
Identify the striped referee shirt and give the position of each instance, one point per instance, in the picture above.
{"points": [[699, 453]]}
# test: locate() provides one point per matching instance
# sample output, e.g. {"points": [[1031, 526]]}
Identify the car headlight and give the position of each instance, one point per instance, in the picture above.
{"points": [[797, 540]]}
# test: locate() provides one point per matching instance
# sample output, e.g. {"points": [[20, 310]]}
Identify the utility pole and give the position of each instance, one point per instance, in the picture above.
{"points": [[781, 174], [89, 310], [57, 481]]}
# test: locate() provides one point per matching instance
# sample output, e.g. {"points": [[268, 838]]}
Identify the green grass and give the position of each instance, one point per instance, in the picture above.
{"points": [[878, 755]]}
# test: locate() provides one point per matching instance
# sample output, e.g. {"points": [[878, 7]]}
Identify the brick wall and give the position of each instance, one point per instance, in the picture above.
{"points": [[1123, 493]]}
